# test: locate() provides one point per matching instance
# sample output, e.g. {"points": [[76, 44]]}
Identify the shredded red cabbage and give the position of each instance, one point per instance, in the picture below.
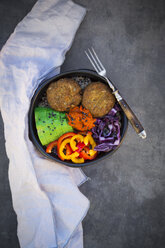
{"points": [[107, 131]]}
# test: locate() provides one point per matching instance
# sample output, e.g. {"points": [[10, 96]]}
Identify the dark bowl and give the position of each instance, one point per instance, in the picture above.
{"points": [[35, 100]]}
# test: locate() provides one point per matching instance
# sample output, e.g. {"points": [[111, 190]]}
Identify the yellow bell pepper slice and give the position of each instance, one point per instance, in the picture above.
{"points": [[78, 137], [89, 140], [73, 156], [62, 147], [77, 160]]}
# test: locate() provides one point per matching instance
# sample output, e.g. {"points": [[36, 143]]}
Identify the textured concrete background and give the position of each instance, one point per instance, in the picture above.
{"points": [[126, 191]]}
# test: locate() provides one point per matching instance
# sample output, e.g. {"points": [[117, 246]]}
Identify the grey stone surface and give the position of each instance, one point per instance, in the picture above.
{"points": [[126, 191]]}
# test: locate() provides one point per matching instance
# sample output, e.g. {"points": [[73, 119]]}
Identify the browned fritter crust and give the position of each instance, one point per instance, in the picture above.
{"points": [[98, 99], [64, 94]]}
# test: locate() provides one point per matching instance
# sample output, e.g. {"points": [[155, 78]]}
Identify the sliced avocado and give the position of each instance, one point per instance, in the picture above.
{"points": [[50, 124]]}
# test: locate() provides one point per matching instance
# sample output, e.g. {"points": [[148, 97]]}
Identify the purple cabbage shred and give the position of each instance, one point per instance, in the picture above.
{"points": [[107, 131]]}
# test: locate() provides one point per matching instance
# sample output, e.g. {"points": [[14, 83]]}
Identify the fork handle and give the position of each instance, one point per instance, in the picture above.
{"points": [[130, 115]]}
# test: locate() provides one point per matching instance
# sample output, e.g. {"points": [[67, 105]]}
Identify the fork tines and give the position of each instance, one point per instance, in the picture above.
{"points": [[92, 56]]}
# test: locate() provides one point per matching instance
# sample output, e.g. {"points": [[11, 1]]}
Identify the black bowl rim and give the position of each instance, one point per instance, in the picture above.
{"points": [[30, 116]]}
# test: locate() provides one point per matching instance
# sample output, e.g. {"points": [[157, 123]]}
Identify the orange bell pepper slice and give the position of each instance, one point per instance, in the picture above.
{"points": [[51, 145]]}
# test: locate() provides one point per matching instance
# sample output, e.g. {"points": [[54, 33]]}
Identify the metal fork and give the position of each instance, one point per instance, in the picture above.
{"points": [[100, 69]]}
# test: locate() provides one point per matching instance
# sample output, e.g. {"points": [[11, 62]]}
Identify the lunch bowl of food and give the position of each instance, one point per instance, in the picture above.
{"points": [[74, 119]]}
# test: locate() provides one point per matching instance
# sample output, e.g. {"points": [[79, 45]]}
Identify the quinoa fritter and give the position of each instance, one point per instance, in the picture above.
{"points": [[64, 94], [98, 99]]}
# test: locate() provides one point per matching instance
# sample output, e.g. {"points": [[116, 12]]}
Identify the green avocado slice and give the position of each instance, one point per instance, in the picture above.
{"points": [[50, 124]]}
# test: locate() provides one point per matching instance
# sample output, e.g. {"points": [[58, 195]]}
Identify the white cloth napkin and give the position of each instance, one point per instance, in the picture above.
{"points": [[46, 199]]}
